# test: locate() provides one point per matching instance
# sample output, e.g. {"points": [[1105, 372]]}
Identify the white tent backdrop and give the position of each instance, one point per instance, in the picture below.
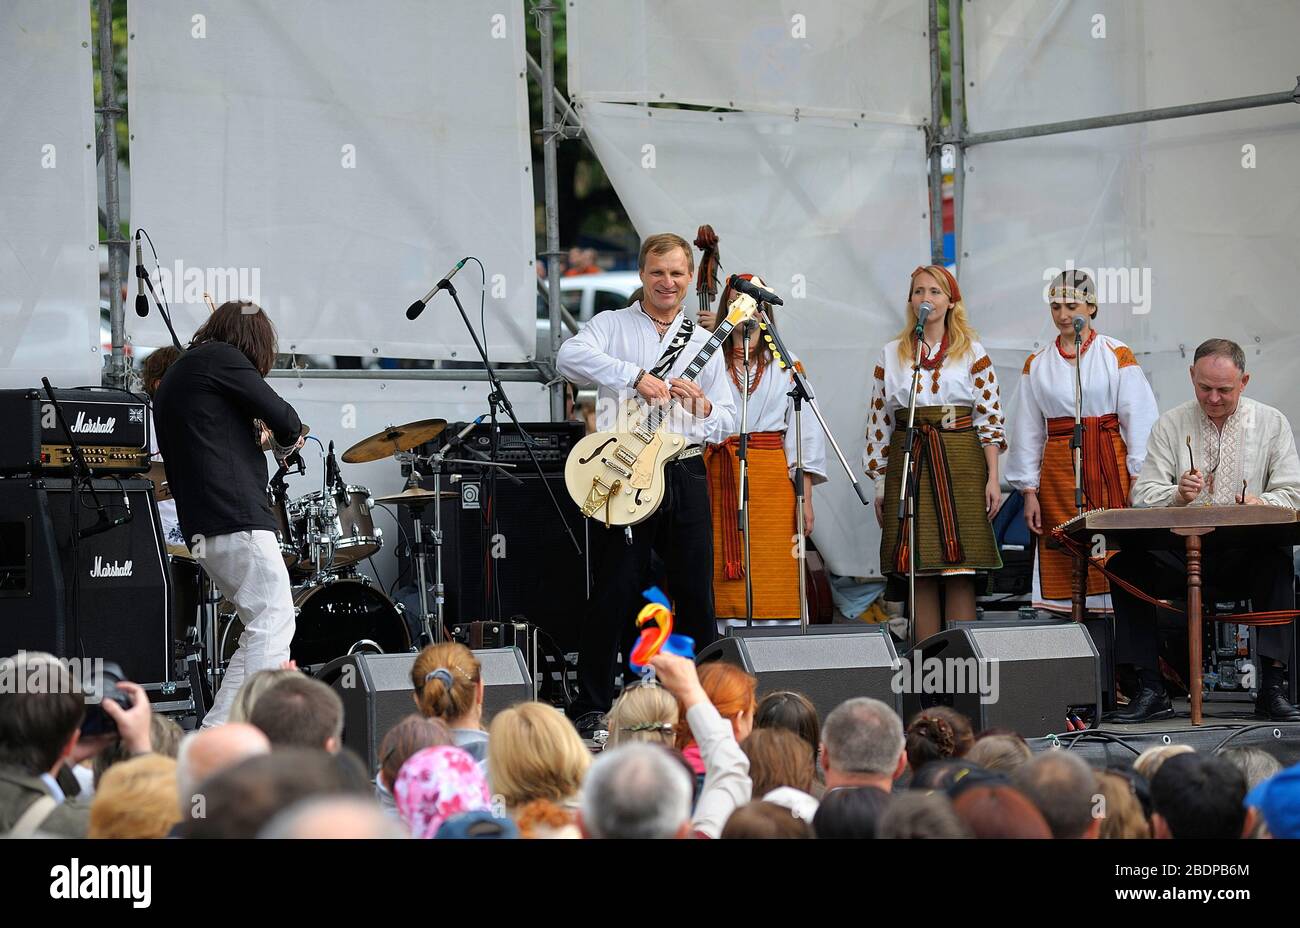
{"points": [[862, 60], [346, 411], [832, 216], [49, 272], [1189, 222], [333, 159]]}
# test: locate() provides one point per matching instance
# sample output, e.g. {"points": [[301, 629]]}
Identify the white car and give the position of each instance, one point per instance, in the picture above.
{"points": [[584, 295]]}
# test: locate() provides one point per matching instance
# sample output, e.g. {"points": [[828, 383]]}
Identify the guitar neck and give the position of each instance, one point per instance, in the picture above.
{"points": [[656, 414]]}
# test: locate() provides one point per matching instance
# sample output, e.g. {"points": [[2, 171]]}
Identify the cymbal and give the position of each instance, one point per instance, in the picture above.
{"points": [[416, 496], [394, 439]]}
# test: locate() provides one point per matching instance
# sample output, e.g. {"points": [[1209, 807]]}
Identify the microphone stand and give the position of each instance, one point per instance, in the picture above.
{"points": [[907, 489], [742, 457], [497, 398], [802, 393], [1076, 438]]}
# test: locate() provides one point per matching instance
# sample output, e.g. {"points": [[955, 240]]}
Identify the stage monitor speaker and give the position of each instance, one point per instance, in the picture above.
{"points": [[1024, 677], [539, 575], [1120, 745], [829, 664], [376, 692], [124, 595]]}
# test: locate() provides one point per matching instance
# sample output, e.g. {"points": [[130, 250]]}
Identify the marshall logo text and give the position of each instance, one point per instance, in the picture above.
{"points": [[111, 569]]}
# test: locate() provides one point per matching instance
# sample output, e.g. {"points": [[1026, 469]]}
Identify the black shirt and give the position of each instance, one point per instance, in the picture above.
{"points": [[203, 413]]}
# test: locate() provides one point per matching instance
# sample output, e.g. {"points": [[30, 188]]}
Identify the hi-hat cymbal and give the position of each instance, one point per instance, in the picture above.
{"points": [[416, 496], [393, 439]]}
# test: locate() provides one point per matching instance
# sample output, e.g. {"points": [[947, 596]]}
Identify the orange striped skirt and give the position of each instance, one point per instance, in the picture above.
{"points": [[1106, 485], [771, 525]]}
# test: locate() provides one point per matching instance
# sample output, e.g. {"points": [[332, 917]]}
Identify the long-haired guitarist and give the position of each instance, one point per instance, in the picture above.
{"points": [[619, 351]]}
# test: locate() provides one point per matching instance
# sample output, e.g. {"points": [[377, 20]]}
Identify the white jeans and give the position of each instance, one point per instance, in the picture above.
{"points": [[249, 570]]}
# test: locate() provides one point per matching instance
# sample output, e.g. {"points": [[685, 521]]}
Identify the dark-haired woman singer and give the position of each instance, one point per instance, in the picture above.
{"points": [[205, 407]]}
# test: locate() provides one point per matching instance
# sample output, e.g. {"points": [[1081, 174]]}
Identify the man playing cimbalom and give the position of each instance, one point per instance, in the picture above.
{"points": [[1241, 452]]}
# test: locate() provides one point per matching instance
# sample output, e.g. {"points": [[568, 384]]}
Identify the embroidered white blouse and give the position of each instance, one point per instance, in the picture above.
{"points": [[965, 381]]}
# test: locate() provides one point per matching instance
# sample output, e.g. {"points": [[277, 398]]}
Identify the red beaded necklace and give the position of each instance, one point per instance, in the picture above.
{"points": [[1092, 333], [737, 366], [931, 361]]}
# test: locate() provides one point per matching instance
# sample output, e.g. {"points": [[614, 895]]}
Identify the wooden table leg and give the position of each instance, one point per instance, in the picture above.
{"points": [[1193, 536]]}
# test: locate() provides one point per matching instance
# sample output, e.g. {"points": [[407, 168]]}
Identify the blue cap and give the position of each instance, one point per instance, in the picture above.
{"points": [[1278, 799], [481, 824]]}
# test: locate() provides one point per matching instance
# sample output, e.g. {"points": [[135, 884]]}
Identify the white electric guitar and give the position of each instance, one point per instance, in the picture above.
{"points": [[618, 477]]}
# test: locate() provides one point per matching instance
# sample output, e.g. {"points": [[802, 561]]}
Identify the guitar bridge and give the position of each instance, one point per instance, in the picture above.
{"points": [[598, 496]]}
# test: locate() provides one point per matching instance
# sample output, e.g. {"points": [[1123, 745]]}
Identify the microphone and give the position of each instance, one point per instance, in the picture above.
{"points": [[1078, 328], [750, 289], [141, 303], [332, 473], [413, 311], [922, 313], [104, 524]]}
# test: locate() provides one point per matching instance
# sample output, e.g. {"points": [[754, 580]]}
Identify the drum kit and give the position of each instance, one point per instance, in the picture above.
{"points": [[324, 536]]}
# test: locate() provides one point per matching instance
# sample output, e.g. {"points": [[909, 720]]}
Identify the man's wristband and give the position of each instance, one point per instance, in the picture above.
{"points": [[638, 379]]}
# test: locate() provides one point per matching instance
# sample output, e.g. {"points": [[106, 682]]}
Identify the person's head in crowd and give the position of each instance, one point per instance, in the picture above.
{"points": [[1219, 376], [1149, 761], [244, 325], [851, 811], [1121, 811], [542, 818], [999, 752], [777, 758], [643, 712], [1277, 802], [1194, 796], [765, 820], [1000, 811], [353, 773], [862, 745], [253, 688], [333, 817], [937, 733], [448, 684], [942, 775], [1064, 789], [1255, 764], [238, 802], [480, 825], [136, 798], [39, 726], [535, 753], [793, 712], [206, 753], [412, 734], [151, 372], [636, 791], [164, 735], [300, 712], [921, 815], [436, 784], [731, 691]]}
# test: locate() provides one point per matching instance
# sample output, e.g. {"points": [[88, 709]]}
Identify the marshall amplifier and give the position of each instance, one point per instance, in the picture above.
{"points": [[111, 426], [552, 442], [123, 596]]}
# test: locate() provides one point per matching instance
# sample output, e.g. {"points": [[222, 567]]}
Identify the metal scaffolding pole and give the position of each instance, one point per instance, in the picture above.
{"points": [[550, 139], [934, 140], [957, 124], [117, 247], [1126, 119], [515, 374]]}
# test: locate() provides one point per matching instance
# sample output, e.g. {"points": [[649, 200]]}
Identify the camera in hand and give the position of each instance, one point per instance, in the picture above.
{"points": [[97, 721]]}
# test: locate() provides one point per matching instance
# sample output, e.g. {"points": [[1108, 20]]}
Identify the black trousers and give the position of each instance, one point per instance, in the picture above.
{"points": [[681, 533], [1264, 575]]}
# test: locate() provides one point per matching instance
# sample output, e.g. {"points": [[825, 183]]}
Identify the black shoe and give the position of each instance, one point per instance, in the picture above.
{"points": [[593, 729], [1271, 704], [1147, 706]]}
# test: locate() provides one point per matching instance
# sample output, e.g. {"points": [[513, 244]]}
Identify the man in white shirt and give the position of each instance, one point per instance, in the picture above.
{"points": [[1241, 452], [616, 351]]}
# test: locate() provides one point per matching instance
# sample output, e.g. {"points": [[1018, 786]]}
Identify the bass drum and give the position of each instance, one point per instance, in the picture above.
{"points": [[335, 619]]}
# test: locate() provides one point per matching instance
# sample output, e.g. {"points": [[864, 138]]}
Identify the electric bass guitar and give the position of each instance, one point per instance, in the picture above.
{"points": [[618, 477]]}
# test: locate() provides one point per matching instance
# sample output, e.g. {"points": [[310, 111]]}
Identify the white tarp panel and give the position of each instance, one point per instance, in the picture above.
{"points": [[346, 411], [49, 273], [333, 159], [1031, 61], [862, 60], [831, 215], [1189, 224]]}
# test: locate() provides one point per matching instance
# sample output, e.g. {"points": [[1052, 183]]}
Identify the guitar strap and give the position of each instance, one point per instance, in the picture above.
{"points": [[673, 350]]}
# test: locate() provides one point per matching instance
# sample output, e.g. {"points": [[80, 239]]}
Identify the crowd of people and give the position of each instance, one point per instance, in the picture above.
{"points": [[692, 752]]}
